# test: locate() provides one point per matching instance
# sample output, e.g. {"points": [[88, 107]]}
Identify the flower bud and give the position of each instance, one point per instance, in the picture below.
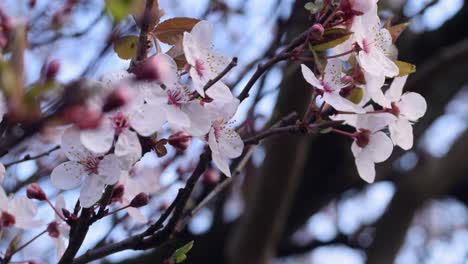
{"points": [[34, 191], [180, 140], [118, 193], [52, 68], [7, 220], [317, 31], [155, 68], [140, 200], [83, 116], [211, 177], [53, 229], [118, 98]]}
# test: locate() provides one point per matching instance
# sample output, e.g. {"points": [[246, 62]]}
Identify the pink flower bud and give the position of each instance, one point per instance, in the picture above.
{"points": [[140, 200], [52, 68], [118, 98], [34, 191], [53, 229], [118, 193], [155, 68], [317, 31], [180, 140], [211, 177], [7, 220], [83, 116]]}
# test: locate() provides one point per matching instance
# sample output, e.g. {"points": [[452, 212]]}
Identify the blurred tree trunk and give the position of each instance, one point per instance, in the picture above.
{"points": [[272, 189]]}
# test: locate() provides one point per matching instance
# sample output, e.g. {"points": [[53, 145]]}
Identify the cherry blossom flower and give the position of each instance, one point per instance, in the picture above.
{"points": [[371, 145], [179, 109], [205, 63], [375, 43], [360, 6], [59, 230], [139, 180], [90, 170], [331, 86], [408, 108], [17, 212], [224, 142]]}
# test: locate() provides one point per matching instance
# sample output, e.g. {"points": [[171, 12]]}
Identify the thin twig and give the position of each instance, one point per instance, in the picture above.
{"points": [[142, 49], [28, 157], [211, 82]]}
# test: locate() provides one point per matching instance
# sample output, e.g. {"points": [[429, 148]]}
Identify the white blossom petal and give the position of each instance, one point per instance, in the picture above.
{"points": [[401, 132], [309, 76], [380, 147], [24, 211], [128, 147], [109, 169], [176, 117], [91, 191], [413, 106], [72, 146], [396, 89], [230, 143], [149, 119], [222, 163], [200, 122], [366, 168], [67, 175], [341, 104], [99, 140], [202, 34]]}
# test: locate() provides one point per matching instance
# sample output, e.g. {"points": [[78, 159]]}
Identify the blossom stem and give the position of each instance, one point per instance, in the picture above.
{"points": [[330, 17], [118, 210], [341, 54], [27, 243], [344, 133], [55, 210]]}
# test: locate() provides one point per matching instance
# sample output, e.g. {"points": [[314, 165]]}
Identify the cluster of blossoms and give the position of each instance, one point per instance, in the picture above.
{"points": [[368, 61], [159, 99], [116, 127]]}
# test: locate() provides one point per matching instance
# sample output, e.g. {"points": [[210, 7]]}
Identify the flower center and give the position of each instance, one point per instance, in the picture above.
{"points": [[176, 97], [7, 219], [366, 46], [326, 87], [120, 122], [199, 67], [217, 125], [91, 165]]}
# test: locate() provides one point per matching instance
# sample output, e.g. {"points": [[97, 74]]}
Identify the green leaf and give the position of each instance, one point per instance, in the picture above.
{"points": [[126, 47], [326, 130], [331, 38], [119, 9], [181, 254], [405, 68], [356, 95], [314, 7]]}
